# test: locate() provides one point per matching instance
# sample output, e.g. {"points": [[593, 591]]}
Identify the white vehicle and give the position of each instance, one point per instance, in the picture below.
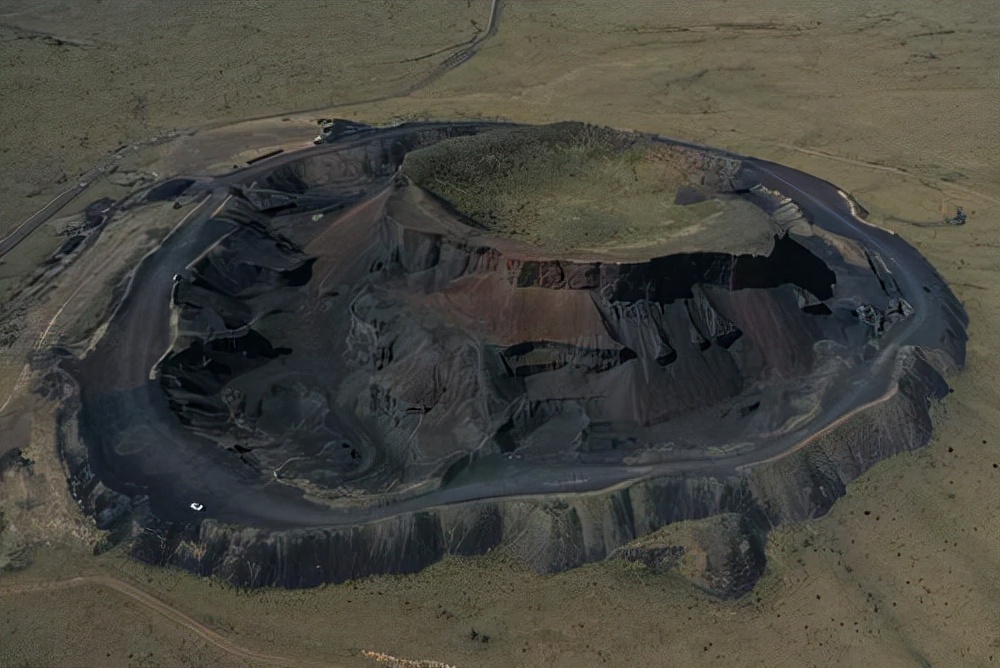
{"points": [[197, 506]]}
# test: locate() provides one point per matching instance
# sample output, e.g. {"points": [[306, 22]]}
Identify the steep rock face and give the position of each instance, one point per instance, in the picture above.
{"points": [[360, 377], [420, 351]]}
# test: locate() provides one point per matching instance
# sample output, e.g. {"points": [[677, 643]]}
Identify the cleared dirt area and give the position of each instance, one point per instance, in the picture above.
{"points": [[895, 106]]}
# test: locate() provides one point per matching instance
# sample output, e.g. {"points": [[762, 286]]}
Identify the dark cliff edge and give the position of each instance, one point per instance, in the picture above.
{"points": [[550, 533]]}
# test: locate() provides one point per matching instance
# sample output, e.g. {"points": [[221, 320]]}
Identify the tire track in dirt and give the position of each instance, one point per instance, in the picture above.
{"points": [[448, 64], [33, 222], [173, 614]]}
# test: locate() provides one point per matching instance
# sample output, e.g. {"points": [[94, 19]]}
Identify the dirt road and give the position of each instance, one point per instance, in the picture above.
{"points": [[168, 611]]}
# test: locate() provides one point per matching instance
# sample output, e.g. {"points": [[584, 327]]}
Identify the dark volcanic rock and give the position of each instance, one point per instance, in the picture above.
{"points": [[723, 555], [377, 354], [97, 212], [13, 459]]}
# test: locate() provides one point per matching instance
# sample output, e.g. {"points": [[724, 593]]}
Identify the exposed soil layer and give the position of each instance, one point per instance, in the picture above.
{"points": [[444, 338]]}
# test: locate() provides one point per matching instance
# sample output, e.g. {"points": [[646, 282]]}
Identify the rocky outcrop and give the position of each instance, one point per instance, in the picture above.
{"points": [[722, 555]]}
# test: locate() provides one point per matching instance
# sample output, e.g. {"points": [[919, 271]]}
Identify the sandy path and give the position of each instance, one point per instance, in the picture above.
{"points": [[168, 611]]}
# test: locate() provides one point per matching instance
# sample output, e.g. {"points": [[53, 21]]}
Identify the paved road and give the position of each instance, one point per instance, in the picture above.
{"points": [[32, 223]]}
